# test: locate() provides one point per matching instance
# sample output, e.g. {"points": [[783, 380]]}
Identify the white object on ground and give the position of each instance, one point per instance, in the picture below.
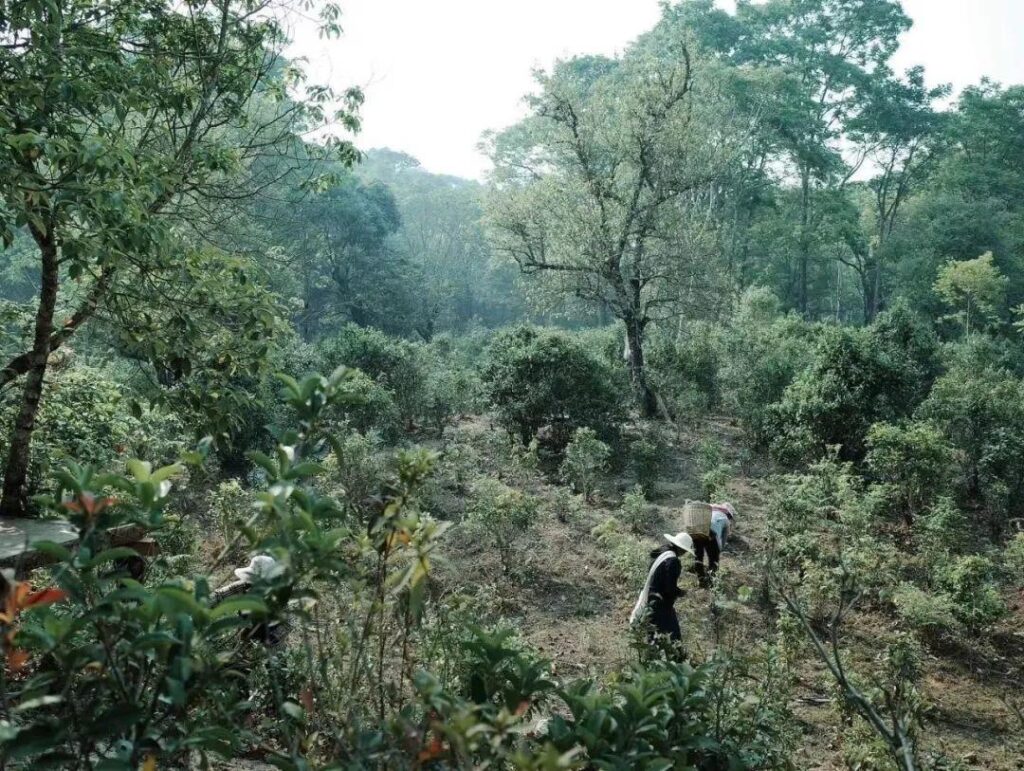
{"points": [[260, 566]]}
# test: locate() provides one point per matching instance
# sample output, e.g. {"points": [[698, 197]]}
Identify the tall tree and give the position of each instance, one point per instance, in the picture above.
{"points": [[898, 131], [115, 121], [824, 55], [603, 189]]}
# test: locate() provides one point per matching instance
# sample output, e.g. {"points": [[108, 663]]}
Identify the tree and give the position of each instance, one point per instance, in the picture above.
{"points": [[816, 62], [974, 289], [116, 121], [603, 188], [897, 130]]}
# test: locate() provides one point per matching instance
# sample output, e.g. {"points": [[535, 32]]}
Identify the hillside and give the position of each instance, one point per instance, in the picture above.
{"points": [[572, 602]]}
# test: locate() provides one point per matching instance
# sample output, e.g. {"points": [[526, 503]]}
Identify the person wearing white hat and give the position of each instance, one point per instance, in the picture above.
{"points": [[662, 587]]}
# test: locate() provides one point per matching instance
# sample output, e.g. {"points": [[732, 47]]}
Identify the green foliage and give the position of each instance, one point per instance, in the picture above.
{"points": [[764, 352], [913, 462], [635, 511], [970, 582], [974, 289], [685, 368], [538, 378], [981, 412], [450, 393], [647, 457], [925, 611], [395, 365], [371, 408], [661, 709], [231, 505], [359, 467], [501, 516], [586, 460], [857, 378], [714, 471], [85, 418], [128, 671], [626, 554], [1013, 559]]}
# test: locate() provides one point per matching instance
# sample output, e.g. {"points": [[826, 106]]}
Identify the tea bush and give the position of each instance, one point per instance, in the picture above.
{"points": [[647, 456], [981, 413], [635, 511], [538, 378], [586, 461], [914, 464], [857, 377], [501, 517], [84, 418], [395, 365]]}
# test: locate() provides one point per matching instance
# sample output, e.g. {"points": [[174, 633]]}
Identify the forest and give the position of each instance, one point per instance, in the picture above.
{"points": [[312, 458]]}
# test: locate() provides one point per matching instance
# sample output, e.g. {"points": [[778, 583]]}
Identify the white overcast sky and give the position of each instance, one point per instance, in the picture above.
{"points": [[438, 73]]}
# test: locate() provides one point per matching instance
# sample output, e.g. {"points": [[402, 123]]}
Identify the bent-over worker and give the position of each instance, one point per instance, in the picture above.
{"points": [[723, 519]]}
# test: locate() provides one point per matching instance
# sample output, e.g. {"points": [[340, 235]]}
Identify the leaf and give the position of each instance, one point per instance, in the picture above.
{"points": [[167, 472], [111, 555], [39, 701], [238, 605], [293, 710], [139, 469], [53, 550], [174, 598], [46, 596]]}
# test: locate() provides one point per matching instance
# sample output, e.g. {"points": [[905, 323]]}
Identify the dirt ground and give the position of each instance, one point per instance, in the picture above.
{"points": [[572, 604]]}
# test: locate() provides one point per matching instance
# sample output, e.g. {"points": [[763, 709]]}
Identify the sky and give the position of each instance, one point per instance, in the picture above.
{"points": [[437, 74]]}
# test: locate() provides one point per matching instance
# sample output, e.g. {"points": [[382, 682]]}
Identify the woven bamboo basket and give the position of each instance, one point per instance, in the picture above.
{"points": [[697, 518]]}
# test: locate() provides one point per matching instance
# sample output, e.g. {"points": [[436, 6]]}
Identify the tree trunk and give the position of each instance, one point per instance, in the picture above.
{"points": [[645, 399], [14, 499], [805, 243]]}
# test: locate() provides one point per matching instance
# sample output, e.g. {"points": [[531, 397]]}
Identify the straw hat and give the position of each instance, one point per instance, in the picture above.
{"points": [[260, 566], [728, 508], [681, 540]]}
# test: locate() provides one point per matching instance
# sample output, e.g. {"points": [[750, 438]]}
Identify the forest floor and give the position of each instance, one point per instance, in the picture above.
{"points": [[571, 601]]}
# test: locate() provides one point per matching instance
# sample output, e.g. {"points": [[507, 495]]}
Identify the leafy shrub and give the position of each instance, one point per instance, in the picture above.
{"points": [[982, 415], [359, 466], [371, 407], [928, 612], [1013, 559], [586, 459], [913, 462], [970, 582], [662, 707], [635, 512], [647, 456], [394, 364], [501, 516], [626, 554], [83, 417], [714, 471], [857, 378], [450, 392], [538, 378], [231, 505], [764, 351], [684, 369], [113, 673]]}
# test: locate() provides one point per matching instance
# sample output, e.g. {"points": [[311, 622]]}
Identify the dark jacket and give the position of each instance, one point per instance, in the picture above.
{"points": [[665, 582], [663, 594]]}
